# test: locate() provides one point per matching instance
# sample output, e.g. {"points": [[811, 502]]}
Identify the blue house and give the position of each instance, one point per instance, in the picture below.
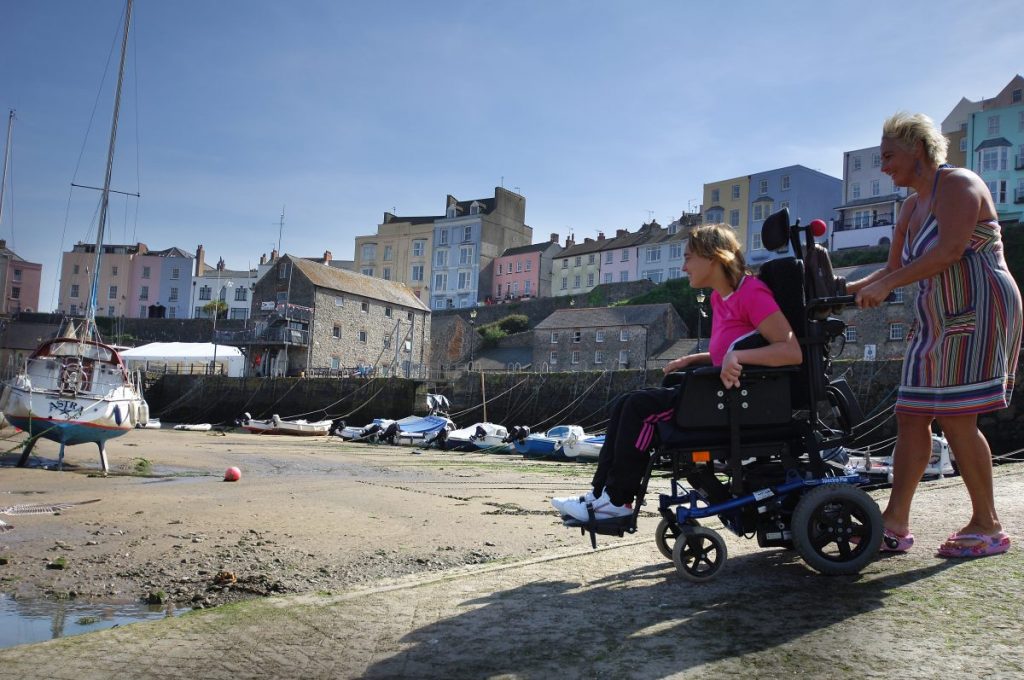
{"points": [[807, 193]]}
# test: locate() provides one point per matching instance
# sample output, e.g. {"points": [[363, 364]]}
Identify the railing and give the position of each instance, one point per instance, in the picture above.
{"points": [[274, 335], [880, 220], [287, 310]]}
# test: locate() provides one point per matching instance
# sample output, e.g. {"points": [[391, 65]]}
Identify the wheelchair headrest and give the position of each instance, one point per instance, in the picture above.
{"points": [[775, 230]]}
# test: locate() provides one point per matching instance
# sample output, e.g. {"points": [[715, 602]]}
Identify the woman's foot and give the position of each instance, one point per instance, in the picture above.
{"points": [[896, 543], [966, 543]]}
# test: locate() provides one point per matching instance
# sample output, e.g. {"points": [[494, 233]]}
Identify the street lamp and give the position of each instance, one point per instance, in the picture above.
{"points": [[216, 313], [472, 325], [700, 314]]}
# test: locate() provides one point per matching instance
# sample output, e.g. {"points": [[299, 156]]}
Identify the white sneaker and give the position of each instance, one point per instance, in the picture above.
{"points": [[559, 502], [603, 509]]}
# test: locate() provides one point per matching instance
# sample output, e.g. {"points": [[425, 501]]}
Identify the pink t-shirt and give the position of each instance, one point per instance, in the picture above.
{"points": [[738, 315]]}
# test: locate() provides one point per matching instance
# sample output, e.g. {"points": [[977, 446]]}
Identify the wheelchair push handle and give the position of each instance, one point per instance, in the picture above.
{"points": [[834, 301]]}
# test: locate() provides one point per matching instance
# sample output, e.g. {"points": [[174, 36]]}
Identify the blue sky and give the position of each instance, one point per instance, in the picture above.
{"points": [[600, 113]]}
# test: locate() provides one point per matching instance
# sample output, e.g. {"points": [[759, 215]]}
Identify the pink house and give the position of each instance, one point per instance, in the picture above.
{"points": [[524, 271], [20, 282]]}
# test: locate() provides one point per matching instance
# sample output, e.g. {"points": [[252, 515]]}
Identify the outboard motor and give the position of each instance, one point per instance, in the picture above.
{"points": [[480, 432], [337, 425], [390, 433]]}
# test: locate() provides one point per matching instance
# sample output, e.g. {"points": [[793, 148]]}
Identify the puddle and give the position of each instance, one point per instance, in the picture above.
{"points": [[24, 621]]}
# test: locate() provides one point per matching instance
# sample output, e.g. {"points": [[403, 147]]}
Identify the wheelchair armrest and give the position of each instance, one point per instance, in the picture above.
{"points": [[677, 377]]}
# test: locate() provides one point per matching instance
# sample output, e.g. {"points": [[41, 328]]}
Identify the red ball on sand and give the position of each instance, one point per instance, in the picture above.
{"points": [[232, 474]]}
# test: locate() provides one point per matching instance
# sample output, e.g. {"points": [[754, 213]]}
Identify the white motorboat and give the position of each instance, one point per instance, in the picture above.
{"points": [[296, 428], [487, 437], [942, 463], [585, 448]]}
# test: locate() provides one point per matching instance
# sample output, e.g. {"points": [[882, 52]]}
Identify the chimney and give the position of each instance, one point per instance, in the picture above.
{"points": [[200, 260], [588, 240], [273, 255], [3, 243], [554, 237], [327, 257], [388, 218], [569, 243], [621, 232], [600, 236], [263, 258], [220, 264]]}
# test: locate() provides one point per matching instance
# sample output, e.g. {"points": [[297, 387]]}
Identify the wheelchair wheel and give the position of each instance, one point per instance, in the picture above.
{"points": [[837, 528], [699, 553], [666, 534]]}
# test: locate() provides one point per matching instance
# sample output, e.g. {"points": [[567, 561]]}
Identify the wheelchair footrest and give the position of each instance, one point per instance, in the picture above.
{"points": [[615, 526]]}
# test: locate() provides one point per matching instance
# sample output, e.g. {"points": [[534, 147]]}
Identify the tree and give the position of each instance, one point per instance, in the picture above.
{"points": [[220, 306]]}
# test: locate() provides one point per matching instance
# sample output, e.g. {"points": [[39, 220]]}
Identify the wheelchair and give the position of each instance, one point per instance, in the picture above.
{"points": [[752, 455]]}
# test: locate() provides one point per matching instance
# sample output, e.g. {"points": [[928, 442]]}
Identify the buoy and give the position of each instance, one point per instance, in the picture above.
{"points": [[232, 474]]}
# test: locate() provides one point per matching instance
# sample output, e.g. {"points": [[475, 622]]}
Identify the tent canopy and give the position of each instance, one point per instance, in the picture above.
{"points": [[186, 353]]}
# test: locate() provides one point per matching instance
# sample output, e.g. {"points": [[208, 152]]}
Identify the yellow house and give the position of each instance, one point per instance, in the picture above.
{"points": [[400, 251], [727, 201]]}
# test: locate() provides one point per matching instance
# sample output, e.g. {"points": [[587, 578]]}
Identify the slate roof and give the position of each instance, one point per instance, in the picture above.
{"points": [[989, 143], [533, 248], [171, 252], [603, 317], [325, 276]]}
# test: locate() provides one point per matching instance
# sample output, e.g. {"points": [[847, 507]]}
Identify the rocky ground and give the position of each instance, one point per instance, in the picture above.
{"points": [[308, 515]]}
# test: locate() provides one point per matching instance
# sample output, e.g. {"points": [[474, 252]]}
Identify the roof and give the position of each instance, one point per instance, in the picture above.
{"points": [[325, 276], [592, 246], [498, 358], [679, 348], [648, 233], [598, 317], [171, 252], [533, 248], [989, 143], [180, 350], [211, 273], [421, 219]]}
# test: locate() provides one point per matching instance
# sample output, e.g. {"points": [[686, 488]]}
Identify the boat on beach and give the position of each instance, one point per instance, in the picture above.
{"points": [[277, 426], [587, 448], [942, 463], [549, 445], [479, 437]]}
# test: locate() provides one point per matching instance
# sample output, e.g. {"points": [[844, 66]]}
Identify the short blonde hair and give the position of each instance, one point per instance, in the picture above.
{"points": [[910, 128], [718, 242]]}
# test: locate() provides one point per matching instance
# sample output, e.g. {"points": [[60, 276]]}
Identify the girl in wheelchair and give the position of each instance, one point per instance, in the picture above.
{"points": [[742, 307]]}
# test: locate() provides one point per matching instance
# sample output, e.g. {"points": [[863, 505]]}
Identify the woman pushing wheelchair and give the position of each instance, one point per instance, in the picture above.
{"points": [[741, 306]]}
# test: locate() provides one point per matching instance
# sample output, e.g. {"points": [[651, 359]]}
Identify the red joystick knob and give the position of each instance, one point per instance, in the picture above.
{"points": [[818, 228]]}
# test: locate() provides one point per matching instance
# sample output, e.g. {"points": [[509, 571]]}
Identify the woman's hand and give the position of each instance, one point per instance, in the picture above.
{"points": [[873, 294], [676, 365], [731, 369]]}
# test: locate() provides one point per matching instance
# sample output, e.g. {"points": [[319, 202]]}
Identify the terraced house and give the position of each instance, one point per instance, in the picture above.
{"points": [[577, 269], [400, 251], [995, 143]]}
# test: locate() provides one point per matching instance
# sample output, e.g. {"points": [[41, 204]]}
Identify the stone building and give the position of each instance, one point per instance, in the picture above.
{"points": [[605, 338], [881, 333], [313, 318]]}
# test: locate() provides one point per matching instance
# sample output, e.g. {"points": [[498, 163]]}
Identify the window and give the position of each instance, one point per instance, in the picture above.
{"points": [[654, 275], [282, 271], [675, 250], [993, 158], [755, 243], [362, 336], [1015, 96], [851, 334], [623, 277], [565, 282], [173, 295], [335, 363], [15, 293], [716, 196], [590, 280], [554, 337], [144, 293], [606, 277], [417, 273], [205, 292], [175, 273], [896, 331], [113, 270], [464, 281], [785, 183], [876, 159], [110, 310], [74, 310], [599, 357], [762, 187], [499, 269], [623, 357], [993, 125], [609, 257], [856, 162], [734, 218], [145, 272], [467, 234], [654, 254], [366, 271], [623, 335], [388, 312], [783, 204], [963, 144], [579, 261], [862, 219], [466, 255], [519, 266], [896, 297], [529, 265], [625, 256], [1020, 128], [388, 253], [386, 275], [142, 312], [364, 307], [677, 273], [565, 264], [759, 212], [598, 336], [369, 252], [576, 281], [855, 190], [75, 271], [282, 296], [553, 358], [499, 290], [442, 237], [387, 342], [112, 293], [875, 187], [339, 301], [735, 191], [241, 293], [336, 332], [17, 276], [998, 189], [419, 246], [575, 356], [577, 336], [527, 288], [441, 258]]}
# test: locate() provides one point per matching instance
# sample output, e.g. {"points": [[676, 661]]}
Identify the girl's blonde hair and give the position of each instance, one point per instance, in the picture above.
{"points": [[718, 242], [910, 128]]}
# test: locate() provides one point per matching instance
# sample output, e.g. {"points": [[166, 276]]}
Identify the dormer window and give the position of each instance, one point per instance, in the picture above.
{"points": [[450, 212], [474, 209]]}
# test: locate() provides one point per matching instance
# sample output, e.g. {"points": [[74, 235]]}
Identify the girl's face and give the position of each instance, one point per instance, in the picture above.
{"points": [[697, 268]]}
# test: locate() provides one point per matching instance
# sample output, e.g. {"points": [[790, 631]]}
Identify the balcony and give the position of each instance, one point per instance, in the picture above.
{"points": [[879, 220], [264, 335], [271, 312]]}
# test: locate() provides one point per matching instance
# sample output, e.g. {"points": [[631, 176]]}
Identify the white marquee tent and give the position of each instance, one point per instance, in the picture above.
{"points": [[184, 357]]}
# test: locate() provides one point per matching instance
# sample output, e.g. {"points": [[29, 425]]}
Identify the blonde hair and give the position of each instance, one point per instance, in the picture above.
{"points": [[717, 242], [910, 128]]}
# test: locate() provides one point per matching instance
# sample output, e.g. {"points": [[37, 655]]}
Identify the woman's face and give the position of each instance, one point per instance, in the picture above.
{"points": [[697, 268], [898, 162]]}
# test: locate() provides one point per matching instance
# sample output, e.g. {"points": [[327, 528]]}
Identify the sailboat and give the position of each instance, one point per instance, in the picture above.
{"points": [[74, 389]]}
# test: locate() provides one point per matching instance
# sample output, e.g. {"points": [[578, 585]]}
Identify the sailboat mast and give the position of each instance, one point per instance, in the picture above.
{"points": [[90, 319], [7, 158]]}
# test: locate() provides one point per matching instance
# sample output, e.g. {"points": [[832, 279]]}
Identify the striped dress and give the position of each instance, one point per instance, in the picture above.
{"points": [[962, 355]]}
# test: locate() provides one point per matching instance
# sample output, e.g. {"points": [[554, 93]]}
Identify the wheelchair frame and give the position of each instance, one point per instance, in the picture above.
{"points": [[808, 505]]}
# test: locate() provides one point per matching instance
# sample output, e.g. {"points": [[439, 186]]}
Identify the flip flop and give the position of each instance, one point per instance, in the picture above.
{"points": [[988, 544], [894, 543]]}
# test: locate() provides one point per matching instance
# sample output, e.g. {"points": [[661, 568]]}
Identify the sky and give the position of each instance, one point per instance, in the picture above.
{"points": [[603, 114]]}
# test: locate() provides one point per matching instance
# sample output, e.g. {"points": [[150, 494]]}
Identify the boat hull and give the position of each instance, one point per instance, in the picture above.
{"points": [[70, 420]]}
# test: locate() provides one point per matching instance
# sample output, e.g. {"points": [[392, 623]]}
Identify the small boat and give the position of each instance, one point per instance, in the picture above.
{"points": [[479, 437], [586, 449], [150, 424], [942, 463], [418, 430], [296, 428], [550, 444], [194, 427], [367, 433]]}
